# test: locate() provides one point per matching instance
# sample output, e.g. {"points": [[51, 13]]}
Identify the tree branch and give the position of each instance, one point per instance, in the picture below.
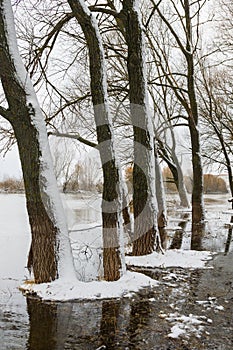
{"points": [[75, 137], [105, 10], [5, 113]]}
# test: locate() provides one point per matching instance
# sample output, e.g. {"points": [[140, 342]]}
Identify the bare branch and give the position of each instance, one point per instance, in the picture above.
{"points": [[75, 137], [5, 113]]}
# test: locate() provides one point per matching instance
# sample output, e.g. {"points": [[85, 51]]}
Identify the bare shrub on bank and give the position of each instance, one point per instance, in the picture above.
{"points": [[12, 185]]}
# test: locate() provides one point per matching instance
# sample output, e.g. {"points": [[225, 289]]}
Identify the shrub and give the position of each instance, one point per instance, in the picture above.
{"points": [[211, 184], [214, 184], [11, 185]]}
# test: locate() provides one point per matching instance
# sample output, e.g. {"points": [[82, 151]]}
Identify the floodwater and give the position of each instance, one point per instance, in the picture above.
{"points": [[143, 321]]}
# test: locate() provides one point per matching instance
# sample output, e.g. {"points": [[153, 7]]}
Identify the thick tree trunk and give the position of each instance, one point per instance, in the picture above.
{"points": [[43, 252], [198, 224], [49, 232], [144, 200], [113, 259]]}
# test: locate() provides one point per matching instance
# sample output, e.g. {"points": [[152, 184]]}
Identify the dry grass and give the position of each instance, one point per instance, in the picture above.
{"points": [[11, 185]]}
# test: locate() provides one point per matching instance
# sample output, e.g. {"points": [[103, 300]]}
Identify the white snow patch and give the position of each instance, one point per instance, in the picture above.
{"points": [[63, 290], [187, 325], [172, 258], [211, 303]]}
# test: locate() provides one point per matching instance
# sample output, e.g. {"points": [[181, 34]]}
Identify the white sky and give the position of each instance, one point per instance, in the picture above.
{"points": [[10, 164]]}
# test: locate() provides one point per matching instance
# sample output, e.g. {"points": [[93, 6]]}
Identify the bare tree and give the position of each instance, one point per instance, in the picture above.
{"points": [[144, 198], [184, 87], [50, 252], [216, 112], [113, 256]]}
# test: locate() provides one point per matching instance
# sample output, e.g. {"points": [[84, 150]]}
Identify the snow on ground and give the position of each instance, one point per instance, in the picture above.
{"points": [[86, 238], [185, 326], [76, 290], [131, 282], [85, 232], [172, 258], [210, 304]]}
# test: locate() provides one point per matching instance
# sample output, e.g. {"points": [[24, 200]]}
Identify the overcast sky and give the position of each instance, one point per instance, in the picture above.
{"points": [[10, 165]]}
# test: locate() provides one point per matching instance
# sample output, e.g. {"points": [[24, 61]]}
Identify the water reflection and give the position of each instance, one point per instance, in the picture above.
{"points": [[229, 237], [139, 322], [178, 235], [198, 232], [48, 324], [109, 324]]}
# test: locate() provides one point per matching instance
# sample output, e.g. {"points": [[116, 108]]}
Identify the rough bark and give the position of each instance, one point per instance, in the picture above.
{"points": [[111, 201], [144, 201], [197, 193], [43, 252], [190, 105], [43, 256], [198, 224]]}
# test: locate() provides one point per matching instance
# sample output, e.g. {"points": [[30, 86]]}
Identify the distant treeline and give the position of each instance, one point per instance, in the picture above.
{"points": [[12, 185], [212, 183]]}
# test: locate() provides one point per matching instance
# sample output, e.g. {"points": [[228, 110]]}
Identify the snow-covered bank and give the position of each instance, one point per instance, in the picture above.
{"points": [[61, 290], [172, 258]]}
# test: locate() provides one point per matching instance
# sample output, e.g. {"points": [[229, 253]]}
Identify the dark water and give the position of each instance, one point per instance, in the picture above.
{"points": [[140, 322], [135, 323]]}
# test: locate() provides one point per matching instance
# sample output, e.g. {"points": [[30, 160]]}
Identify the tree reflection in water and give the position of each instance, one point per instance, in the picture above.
{"points": [[48, 324], [118, 324], [109, 323], [178, 235], [229, 237], [198, 231], [138, 328]]}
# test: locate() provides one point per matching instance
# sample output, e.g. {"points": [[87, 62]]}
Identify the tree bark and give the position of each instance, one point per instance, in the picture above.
{"points": [[42, 197], [190, 105], [113, 259], [198, 215], [144, 200]]}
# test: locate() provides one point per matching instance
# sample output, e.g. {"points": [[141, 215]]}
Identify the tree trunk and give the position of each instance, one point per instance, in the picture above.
{"points": [[160, 195], [198, 224], [228, 161], [113, 255], [144, 199], [50, 242], [43, 252], [184, 201]]}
